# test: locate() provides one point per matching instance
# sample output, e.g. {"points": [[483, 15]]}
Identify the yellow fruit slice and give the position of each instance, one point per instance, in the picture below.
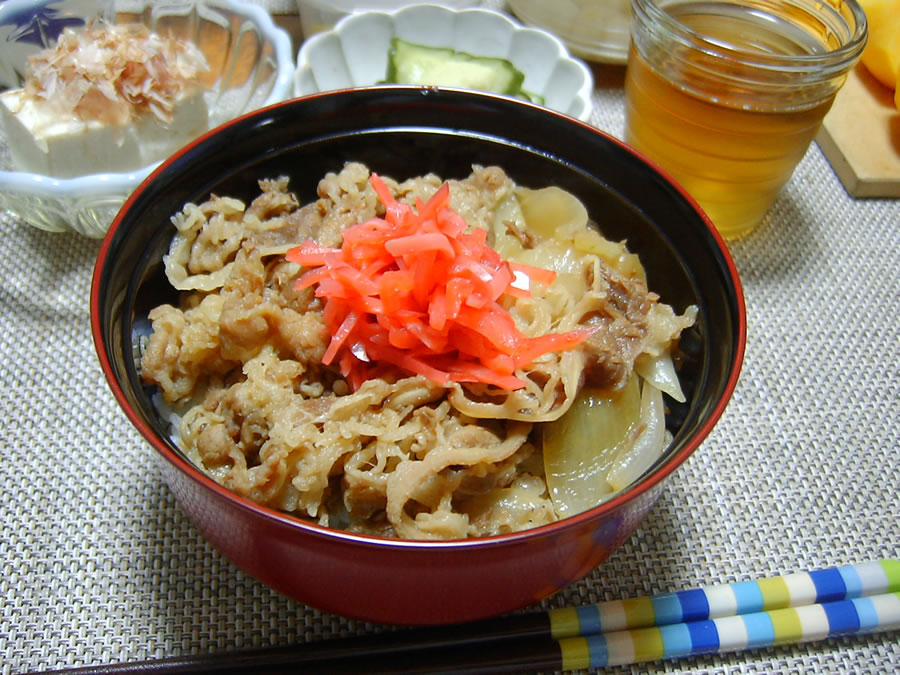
{"points": [[882, 53], [879, 12]]}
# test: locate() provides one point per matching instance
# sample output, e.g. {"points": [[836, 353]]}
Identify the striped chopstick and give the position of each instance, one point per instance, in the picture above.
{"points": [[754, 630], [796, 607], [744, 597]]}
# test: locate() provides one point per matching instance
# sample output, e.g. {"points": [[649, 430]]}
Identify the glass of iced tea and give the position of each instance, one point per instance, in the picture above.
{"points": [[726, 95]]}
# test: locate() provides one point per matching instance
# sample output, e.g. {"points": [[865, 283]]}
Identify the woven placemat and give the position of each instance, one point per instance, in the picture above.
{"points": [[99, 565]]}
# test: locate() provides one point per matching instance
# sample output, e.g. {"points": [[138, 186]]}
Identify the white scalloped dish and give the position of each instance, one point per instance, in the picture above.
{"points": [[355, 52]]}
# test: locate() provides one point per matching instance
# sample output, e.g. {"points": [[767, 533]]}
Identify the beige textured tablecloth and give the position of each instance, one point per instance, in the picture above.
{"points": [[99, 565]]}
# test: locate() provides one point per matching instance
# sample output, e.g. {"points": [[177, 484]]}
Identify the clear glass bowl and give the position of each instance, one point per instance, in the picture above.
{"points": [[251, 65], [319, 15], [597, 30]]}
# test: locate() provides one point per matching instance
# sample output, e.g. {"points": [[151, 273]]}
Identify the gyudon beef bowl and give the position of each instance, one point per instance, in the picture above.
{"points": [[416, 355]]}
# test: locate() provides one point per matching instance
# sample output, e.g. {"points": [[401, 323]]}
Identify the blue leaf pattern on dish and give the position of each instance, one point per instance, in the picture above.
{"points": [[25, 31], [41, 27]]}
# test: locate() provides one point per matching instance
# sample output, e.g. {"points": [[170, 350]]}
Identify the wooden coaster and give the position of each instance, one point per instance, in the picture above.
{"points": [[861, 137]]}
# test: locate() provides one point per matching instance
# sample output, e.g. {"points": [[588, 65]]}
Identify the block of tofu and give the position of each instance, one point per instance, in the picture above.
{"points": [[111, 98], [42, 141]]}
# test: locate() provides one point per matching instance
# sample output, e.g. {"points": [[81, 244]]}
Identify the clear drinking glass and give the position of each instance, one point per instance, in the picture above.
{"points": [[726, 95]]}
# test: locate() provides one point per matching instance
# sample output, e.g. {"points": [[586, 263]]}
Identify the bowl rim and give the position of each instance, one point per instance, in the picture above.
{"points": [[645, 484], [303, 63], [105, 183]]}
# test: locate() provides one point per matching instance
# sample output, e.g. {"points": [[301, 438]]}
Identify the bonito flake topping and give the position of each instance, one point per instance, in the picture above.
{"points": [[115, 73]]}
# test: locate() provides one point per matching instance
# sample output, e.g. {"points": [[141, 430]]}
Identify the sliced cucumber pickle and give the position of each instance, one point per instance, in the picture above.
{"points": [[411, 63]]}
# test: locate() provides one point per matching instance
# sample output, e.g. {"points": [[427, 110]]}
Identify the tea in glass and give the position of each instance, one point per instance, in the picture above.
{"points": [[727, 96]]}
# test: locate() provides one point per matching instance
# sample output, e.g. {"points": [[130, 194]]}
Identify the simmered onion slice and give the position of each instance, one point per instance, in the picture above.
{"points": [[580, 447]]}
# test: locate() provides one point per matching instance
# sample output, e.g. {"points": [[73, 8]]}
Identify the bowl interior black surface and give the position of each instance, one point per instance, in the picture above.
{"points": [[404, 132]]}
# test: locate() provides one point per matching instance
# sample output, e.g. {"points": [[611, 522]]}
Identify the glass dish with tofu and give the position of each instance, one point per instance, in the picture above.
{"points": [[92, 102]]}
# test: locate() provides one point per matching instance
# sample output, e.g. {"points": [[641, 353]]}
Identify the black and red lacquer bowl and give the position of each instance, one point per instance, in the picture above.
{"points": [[404, 132]]}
